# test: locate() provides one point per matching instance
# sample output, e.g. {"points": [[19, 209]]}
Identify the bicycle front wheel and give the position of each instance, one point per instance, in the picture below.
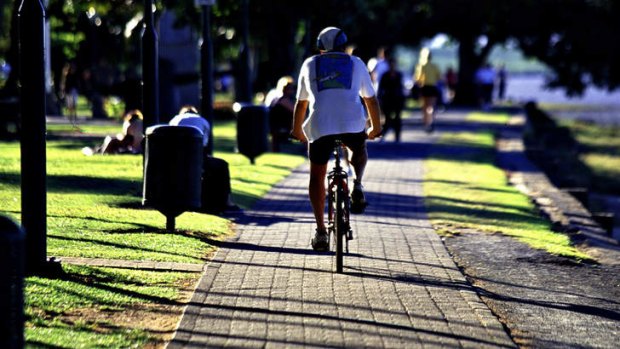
{"points": [[339, 227]]}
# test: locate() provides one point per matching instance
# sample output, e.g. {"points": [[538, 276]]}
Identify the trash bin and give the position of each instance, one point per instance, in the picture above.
{"points": [[12, 256], [252, 130], [172, 170]]}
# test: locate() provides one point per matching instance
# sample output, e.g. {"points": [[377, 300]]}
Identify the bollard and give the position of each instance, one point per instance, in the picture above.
{"points": [[11, 284], [252, 130], [172, 170]]}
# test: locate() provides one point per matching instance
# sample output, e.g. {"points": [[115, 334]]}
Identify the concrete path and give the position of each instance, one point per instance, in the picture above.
{"points": [[400, 288]]}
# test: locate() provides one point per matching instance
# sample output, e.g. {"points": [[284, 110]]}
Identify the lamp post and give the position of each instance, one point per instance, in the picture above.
{"points": [[245, 93], [206, 68], [150, 68], [31, 19]]}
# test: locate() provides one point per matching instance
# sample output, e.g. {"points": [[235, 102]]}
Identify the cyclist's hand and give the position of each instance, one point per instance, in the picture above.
{"points": [[300, 136], [374, 133]]}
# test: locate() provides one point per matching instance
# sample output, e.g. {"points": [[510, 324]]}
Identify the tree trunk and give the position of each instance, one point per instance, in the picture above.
{"points": [[469, 62]]}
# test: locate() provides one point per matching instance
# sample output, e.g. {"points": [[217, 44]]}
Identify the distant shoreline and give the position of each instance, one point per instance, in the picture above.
{"points": [[524, 87]]}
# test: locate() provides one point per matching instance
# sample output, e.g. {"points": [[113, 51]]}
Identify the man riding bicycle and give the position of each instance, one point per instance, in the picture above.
{"points": [[331, 84]]}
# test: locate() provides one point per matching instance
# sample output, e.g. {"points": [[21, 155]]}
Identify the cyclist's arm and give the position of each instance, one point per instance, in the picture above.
{"points": [[372, 104], [299, 115]]}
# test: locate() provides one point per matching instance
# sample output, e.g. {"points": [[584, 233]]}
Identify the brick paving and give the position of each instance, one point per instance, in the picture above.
{"points": [[267, 288]]}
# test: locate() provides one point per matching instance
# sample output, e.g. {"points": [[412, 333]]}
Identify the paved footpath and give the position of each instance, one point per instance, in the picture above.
{"points": [[400, 289]]}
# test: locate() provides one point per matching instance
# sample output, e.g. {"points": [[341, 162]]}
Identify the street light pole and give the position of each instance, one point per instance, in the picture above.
{"points": [[206, 69], [246, 84], [150, 68], [31, 19]]}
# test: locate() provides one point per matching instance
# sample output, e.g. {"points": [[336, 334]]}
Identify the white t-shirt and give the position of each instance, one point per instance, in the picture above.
{"points": [[195, 120], [333, 83], [382, 66]]}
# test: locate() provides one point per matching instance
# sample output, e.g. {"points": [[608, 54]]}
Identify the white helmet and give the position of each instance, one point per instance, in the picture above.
{"points": [[331, 38]]}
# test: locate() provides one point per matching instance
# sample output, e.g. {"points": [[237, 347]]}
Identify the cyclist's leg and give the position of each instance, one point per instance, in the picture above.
{"points": [[319, 152], [316, 191], [356, 143], [359, 158]]}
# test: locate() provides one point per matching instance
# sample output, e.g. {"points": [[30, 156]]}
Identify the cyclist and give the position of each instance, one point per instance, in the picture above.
{"points": [[330, 86]]}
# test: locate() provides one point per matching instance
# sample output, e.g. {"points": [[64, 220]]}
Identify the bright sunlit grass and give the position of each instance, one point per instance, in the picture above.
{"points": [[464, 189], [600, 151]]}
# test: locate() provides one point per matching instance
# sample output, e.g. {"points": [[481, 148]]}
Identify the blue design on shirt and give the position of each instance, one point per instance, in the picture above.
{"points": [[334, 71]]}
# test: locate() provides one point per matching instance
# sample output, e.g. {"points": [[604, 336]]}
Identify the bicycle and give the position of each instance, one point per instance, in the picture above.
{"points": [[338, 203]]}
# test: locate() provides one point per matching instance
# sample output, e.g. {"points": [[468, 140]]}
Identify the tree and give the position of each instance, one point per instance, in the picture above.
{"points": [[571, 37]]}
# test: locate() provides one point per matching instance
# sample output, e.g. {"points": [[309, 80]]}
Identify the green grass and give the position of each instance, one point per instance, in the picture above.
{"points": [[94, 210], [464, 189], [84, 291], [599, 151]]}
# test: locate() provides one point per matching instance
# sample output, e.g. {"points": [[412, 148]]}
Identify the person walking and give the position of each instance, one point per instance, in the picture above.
{"points": [[451, 82], [392, 99], [330, 85], [485, 80], [427, 76], [501, 83], [69, 87], [378, 66]]}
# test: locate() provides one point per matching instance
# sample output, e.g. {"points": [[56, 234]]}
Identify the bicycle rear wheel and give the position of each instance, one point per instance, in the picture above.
{"points": [[339, 227]]}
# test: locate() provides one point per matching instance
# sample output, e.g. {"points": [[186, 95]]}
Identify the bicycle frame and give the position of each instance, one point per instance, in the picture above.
{"points": [[338, 207]]}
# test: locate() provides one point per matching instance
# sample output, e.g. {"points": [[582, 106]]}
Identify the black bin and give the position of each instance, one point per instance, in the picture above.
{"points": [[12, 254], [172, 170], [252, 130]]}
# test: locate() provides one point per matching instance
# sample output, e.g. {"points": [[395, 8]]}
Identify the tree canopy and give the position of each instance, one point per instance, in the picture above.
{"points": [[574, 38]]}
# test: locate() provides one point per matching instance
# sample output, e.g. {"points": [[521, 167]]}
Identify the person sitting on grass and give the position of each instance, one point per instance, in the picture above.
{"points": [[129, 141]]}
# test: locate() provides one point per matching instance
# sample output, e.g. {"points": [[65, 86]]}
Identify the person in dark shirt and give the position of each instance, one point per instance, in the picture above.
{"points": [[392, 99]]}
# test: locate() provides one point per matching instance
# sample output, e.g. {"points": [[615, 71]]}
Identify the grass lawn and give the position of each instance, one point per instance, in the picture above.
{"points": [[94, 210], [465, 190], [599, 151]]}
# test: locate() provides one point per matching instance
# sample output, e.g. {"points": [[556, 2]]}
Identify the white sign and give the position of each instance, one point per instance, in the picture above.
{"points": [[204, 2]]}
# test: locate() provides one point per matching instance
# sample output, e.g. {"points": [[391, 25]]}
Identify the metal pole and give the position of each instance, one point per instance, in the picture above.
{"points": [[206, 60], [150, 68], [245, 94], [31, 19]]}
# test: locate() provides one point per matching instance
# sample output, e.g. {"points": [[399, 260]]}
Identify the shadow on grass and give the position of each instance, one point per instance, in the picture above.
{"points": [[100, 279], [118, 246], [82, 184]]}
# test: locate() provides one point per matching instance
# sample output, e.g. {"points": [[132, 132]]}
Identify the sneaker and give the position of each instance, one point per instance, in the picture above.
{"points": [[358, 200], [320, 242], [429, 129]]}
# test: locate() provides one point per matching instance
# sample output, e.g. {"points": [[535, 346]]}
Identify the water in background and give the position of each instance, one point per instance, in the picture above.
{"points": [[595, 105]]}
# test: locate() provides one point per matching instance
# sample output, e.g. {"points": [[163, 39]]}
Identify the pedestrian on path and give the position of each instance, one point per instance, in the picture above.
{"points": [[331, 84], [378, 66], [485, 80], [427, 76], [392, 99]]}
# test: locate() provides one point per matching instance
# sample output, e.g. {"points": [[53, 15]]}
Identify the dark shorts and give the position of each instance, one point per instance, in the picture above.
{"points": [[321, 149], [429, 91]]}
